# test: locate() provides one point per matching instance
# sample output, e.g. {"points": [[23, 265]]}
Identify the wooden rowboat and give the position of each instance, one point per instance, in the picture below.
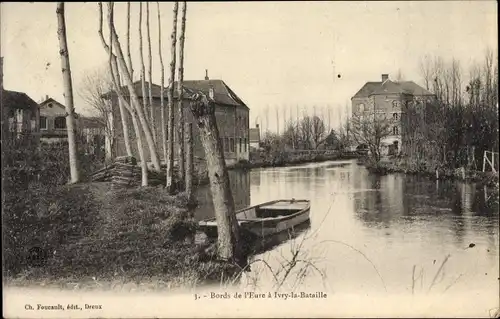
{"points": [[267, 218]]}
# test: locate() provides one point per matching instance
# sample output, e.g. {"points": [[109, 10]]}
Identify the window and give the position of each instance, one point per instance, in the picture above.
{"points": [[241, 146], [246, 145], [361, 107], [43, 123], [226, 144], [231, 143], [395, 130], [395, 116], [60, 122]]}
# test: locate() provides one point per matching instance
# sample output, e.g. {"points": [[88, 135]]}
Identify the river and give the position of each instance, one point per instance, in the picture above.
{"points": [[376, 246], [376, 234]]}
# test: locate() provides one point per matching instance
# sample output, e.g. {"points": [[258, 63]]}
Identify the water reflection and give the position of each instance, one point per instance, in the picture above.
{"points": [[397, 221], [240, 187], [401, 201]]}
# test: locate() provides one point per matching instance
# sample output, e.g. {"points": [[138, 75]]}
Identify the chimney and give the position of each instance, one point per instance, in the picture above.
{"points": [[206, 75], [385, 77], [46, 97]]}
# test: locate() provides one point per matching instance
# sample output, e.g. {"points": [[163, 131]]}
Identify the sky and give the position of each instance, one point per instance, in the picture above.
{"points": [[278, 57]]}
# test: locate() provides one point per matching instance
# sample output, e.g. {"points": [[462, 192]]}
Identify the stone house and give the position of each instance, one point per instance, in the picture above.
{"points": [[19, 114], [52, 121], [388, 99], [232, 116], [53, 128]]}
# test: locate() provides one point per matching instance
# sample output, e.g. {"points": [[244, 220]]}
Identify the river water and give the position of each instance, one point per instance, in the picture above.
{"points": [[375, 234]]}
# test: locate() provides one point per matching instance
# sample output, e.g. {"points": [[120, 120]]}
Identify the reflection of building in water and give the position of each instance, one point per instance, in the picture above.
{"points": [[240, 188]]}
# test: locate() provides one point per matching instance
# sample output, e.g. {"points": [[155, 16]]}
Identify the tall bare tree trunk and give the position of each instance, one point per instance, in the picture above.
{"points": [[123, 114], [130, 68], [189, 160], [115, 76], [170, 126], [227, 227], [179, 93], [68, 94], [162, 89], [135, 99], [150, 76], [143, 69]]}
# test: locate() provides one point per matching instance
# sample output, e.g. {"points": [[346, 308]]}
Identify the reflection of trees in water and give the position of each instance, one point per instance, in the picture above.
{"points": [[416, 198], [240, 188], [255, 179]]}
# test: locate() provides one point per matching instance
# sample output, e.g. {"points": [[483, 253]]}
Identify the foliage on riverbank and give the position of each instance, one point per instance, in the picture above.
{"points": [[89, 231], [423, 168], [288, 158], [57, 232]]}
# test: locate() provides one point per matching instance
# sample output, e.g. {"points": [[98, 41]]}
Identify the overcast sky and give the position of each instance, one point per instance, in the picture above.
{"points": [[272, 54]]}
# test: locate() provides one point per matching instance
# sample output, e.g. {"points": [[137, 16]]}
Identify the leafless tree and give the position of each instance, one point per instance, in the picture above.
{"points": [[371, 130], [92, 90], [425, 66], [180, 107], [162, 89], [143, 69], [150, 76], [115, 77], [170, 92], [317, 131], [68, 93], [228, 239], [306, 132], [134, 97], [129, 57]]}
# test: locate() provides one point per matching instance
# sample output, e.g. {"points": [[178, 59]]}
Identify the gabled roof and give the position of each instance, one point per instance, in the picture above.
{"points": [[390, 87], [223, 94], [17, 100], [47, 101], [254, 135]]}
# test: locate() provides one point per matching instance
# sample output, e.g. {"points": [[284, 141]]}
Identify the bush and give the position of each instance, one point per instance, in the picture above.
{"points": [[89, 230]]}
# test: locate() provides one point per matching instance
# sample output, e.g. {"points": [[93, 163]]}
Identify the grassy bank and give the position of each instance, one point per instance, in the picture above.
{"points": [[423, 168], [283, 159], [91, 233]]}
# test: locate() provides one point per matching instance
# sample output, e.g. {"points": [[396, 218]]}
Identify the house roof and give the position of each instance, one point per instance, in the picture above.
{"points": [[223, 94], [254, 135], [17, 100], [390, 87], [48, 100]]}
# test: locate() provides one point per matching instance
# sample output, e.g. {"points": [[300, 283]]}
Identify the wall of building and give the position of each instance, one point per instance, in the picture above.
{"points": [[232, 122], [51, 113]]}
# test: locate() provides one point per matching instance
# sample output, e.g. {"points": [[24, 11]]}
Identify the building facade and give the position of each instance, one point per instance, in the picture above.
{"points": [[254, 137], [232, 116], [389, 100], [52, 121], [20, 114], [52, 124]]}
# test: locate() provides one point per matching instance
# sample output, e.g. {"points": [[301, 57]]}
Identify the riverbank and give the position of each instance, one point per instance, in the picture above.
{"points": [[90, 234], [388, 166], [284, 159]]}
